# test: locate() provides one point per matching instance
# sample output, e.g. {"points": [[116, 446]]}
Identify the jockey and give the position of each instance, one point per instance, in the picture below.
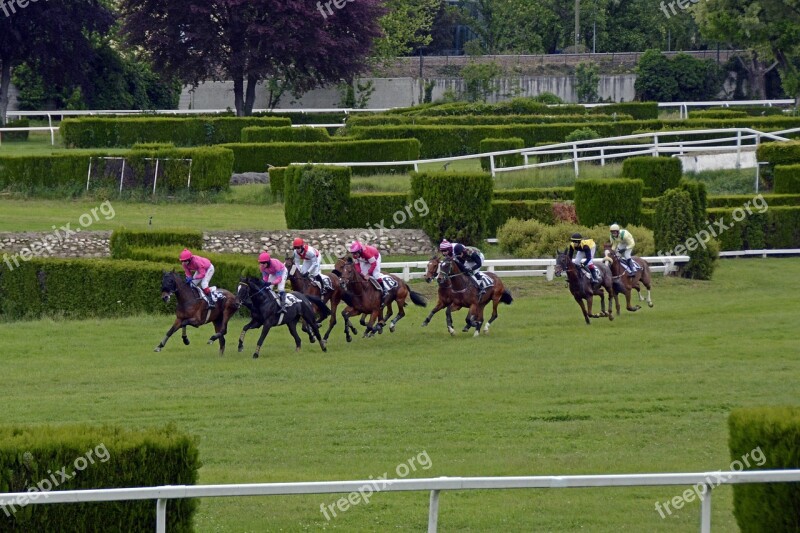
{"points": [[446, 247], [583, 250], [469, 260], [274, 272], [306, 258], [622, 242], [198, 272], [369, 263]]}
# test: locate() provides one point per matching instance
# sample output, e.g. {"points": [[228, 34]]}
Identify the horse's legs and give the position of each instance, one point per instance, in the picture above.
{"points": [[583, 308], [261, 341], [347, 326], [292, 325], [371, 325], [495, 303], [449, 320], [478, 319], [435, 310], [184, 336], [401, 312], [175, 326], [250, 325]]}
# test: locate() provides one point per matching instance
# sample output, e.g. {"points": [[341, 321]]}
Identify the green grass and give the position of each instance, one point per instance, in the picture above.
{"points": [[542, 394]]}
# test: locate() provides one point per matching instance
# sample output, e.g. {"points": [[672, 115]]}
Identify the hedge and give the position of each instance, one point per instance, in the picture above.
{"points": [[459, 204], [498, 145], [276, 181], [257, 134], [657, 173], [102, 132], [477, 120], [94, 457], [255, 157], [765, 438], [604, 201], [638, 110], [774, 228], [383, 210], [152, 146], [752, 111], [81, 288], [779, 153], [122, 240], [316, 196], [787, 179], [12, 136], [718, 113], [516, 106], [503, 210], [211, 169], [551, 193], [739, 200]]}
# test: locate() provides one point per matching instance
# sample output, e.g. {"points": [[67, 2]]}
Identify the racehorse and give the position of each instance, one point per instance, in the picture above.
{"points": [[363, 297], [192, 310], [456, 291], [623, 282], [582, 288], [257, 295], [305, 285]]}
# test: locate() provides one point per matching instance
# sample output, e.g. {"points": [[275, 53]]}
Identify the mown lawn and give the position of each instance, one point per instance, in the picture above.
{"points": [[542, 394]]}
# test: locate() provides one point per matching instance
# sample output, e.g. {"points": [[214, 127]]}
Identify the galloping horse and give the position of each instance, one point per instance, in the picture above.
{"points": [[308, 287], [456, 291], [623, 282], [363, 297], [581, 287], [192, 310], [258, 296]]}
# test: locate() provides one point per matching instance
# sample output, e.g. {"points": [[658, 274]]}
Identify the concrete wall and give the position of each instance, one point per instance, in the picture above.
{"points": [[403, 92]]}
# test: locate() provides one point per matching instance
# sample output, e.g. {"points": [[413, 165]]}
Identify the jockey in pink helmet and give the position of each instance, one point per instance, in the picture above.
{"points": [[369, 262], [198, 271], [274, 272]]}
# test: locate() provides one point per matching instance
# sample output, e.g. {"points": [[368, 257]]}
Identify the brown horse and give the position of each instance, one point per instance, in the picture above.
{"points": [[456, 291], [363, 297], [582, 288], [306, 285], [192, 310], [623, 282]]}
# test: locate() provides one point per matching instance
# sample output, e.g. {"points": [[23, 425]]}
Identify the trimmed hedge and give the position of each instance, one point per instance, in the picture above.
{"points": [[382, 210], [102, 132], [750, 110], [657, 173], [498, 145], [257, 134], [254, 157], [779, 153], [738, 200], [718, 113], [766, 438], [516, 106], [773, 228], [276, 181], [122, 240], [459, 204], [503, 210], [316, 196], [477, 120], [638, 110], [787, 179], [551, 193], [677, 231], [14, 136], [603, 201], [94, 457]]}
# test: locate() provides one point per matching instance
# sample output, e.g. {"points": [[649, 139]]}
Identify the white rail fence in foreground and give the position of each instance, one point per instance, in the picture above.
{"points": [[706, 480]]}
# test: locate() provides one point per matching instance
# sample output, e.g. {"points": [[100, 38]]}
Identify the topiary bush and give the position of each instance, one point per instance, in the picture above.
{"points": [[122, 240], [316, 196], [18, 136], [499, 145], [766, 438], [276, 181], [602, 201], [787, 179], [657, 173], [258, 134], [676, 233]]}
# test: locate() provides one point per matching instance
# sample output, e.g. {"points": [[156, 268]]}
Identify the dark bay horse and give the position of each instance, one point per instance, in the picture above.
{"points": [[363, 297], [623, 282], [258, 295], [192, 310], [305, 285], [582, 288], [453, 294], [457, 290]]}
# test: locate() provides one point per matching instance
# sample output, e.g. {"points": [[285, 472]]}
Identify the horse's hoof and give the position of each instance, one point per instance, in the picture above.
{"points": [[349, 339], [452, 331], [391, 328], [466, 329], [323, 345], [355, 331], [312, 340], [424, 324], [477, 333], [362, 322], [650, 304], [610, 318], [297, 349], [255, 356], [157, 349], [186, 341], [241, 348], [210, 341]]}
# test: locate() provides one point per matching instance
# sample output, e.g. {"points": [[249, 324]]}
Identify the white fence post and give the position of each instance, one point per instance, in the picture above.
{"points": [[705, 509], [433, 512], [161, 515], [738, 148], [602, 157], [575, 157], [491, 164]]}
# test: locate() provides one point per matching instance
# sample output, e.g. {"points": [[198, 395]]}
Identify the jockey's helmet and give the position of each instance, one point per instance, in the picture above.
{"points": [[186, 255], [576, 238], [458, 249], [614, 227], [355, 247], [298, 243], [445, 245], [263, 258]]}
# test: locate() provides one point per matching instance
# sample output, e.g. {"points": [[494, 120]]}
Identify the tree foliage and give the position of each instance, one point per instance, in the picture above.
{"points": [[681, 78], [587, 79]]}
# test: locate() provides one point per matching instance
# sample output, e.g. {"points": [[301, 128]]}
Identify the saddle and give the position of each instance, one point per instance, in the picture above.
{"points": [[326, 283], [484, 281], [387, 281], [216, 294]]}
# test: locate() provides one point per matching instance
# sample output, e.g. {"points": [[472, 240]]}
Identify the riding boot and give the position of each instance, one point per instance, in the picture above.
{"points": [[283, 301], [631, 267], [595, 277], [209, 300]]}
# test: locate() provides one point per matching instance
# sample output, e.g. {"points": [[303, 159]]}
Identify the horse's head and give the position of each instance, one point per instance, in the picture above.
{"points": [[432, 269], [347, 267], [445, 269], [169, 285], [243, 292], [562, 262]]}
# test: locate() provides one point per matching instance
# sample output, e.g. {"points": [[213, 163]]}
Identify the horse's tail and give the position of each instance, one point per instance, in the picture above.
{"points": [[506, 298], [417, 298], [324, 311]]}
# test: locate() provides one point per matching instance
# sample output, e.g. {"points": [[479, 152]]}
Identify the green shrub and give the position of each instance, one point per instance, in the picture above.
{"points": [[602, 201], [122, 240], [478, 120], [582, 134], [783, 229], [752, 111], [503, 210], [316, 196], [699, 195], [676, 233], [787, 179], [499, 145], [766, 438], [638, 110], [276, 181], [13, 136], [459, 204], [551, 193], [103, 132], [99, 457], [547, 98], [257, 134], [152, 146], [516, 106], [738, 200], [383, 210], [749, 233], [719, 113], [657, 173], [779, 153], [254, 157]]}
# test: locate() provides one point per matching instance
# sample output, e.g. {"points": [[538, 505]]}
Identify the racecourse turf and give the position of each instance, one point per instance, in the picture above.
{"points": [[543, 394]]}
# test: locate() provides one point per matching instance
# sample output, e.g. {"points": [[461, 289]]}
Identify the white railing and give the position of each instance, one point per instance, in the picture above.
{"points": [[9, 502], [760, 253], [683, 107], [52, 129], [542, 267]]}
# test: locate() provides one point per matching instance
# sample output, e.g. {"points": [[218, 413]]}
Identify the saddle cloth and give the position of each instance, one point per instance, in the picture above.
{"points": [[291, 299], [484, 281], [326, 281], [216, 294]]}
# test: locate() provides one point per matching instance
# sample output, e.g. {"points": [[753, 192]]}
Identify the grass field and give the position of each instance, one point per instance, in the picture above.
{"points": [[542, 394]]}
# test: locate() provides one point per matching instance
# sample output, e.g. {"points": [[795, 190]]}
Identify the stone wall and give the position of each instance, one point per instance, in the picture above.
{"points": [[18, 247]]}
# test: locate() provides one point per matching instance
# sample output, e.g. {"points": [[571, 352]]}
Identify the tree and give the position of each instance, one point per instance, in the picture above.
{"points": [[305, 45], [654, 78], [587, 79], [55, 35], [406, 26]]}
